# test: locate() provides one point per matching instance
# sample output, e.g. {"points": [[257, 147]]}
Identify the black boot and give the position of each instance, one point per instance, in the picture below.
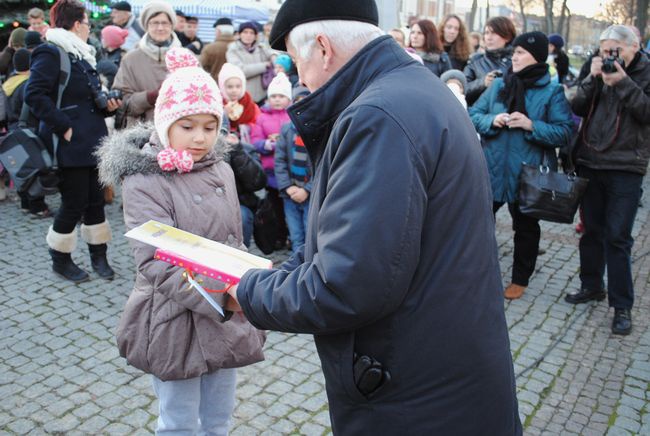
{"points": [[63, 265], [99, 262]]}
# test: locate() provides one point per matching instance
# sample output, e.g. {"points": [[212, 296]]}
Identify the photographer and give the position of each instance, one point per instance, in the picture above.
{"points": [[612, 151], [79, 125]]}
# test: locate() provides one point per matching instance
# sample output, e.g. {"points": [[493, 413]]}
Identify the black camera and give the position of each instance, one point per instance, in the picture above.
{"points": [[609, 61], [497, 73], [101, 97]]}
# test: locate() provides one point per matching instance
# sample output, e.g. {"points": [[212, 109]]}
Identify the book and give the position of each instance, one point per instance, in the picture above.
{"points": [[197, 254]]}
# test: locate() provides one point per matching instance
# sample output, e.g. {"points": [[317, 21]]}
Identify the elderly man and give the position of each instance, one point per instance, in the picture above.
{"points": [[613, 150], [399, 278], [213, 55], [121, 16]]}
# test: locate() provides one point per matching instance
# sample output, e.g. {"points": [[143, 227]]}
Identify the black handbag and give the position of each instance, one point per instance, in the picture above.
{"points": [[265, 227], [550, 195]]}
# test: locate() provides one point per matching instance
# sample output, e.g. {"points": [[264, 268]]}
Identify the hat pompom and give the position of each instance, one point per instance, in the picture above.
{"points": [[179, 57]]}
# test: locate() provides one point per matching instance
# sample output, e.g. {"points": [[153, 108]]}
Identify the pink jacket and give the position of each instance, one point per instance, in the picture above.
{"points": [[269, 122]]}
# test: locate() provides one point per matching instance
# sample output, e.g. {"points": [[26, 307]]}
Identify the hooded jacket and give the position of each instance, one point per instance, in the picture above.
{"points": [[166, 330], [479, 65], [615, 134], [400, 259], [507, 149], [269, 121]]}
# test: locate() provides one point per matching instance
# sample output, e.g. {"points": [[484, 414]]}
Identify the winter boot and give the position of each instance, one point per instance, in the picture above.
{"points": [[96, 236], [99, 261], [61, 245]]}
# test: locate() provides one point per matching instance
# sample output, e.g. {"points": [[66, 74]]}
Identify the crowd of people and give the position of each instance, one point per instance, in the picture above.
{"points": [[233, 127]]}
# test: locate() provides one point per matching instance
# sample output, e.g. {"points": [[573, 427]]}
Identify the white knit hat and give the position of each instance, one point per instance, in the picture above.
{"points": [[154, 8], [188, 90], [229, 71], [280, 85]]}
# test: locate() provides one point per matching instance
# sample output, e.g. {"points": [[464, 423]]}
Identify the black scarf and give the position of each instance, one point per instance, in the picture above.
{"points": [[513, 94]]}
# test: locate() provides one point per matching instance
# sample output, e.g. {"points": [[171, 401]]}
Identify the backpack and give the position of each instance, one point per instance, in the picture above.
{"points": [[23, 153]]}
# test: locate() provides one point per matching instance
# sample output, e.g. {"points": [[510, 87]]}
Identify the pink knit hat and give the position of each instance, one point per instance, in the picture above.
{"points": [[114, 36], [188, 90], [229, 71]]}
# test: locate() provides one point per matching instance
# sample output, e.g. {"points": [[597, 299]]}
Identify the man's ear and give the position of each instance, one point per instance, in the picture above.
{"points": [[326, 51]]}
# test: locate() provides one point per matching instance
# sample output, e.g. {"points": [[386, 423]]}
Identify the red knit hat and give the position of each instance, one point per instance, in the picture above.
{"points": [[114, 36]]}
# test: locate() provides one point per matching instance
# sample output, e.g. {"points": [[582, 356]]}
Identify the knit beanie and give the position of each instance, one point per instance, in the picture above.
{"points": [[187, 90], [21, 60], [284, 61], [153, 8], [556, 40], [32, 39], [229, 71], [114, 36], [249, 25], [454, 74], [535, 43], [17, 38], [280, 85]]}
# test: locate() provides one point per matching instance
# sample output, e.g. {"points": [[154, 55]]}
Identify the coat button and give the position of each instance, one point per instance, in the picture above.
{"points": [[197, 198], [220, 191], [231, 239]]}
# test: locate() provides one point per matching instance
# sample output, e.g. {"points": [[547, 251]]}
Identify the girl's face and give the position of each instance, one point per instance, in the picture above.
{"points": [[233, 89], [416, 37], [278, 101], [521, 59], [279, 69], [493, 40], [195, 133], [451, 30]]}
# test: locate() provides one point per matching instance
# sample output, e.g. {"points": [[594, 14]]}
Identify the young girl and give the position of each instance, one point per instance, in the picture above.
{"points": [[239, 106], [264, 137], [175, 174]]}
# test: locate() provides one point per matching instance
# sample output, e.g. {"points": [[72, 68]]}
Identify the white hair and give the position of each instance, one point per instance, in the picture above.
{"points": [[226, 29], [345, 35], [620, 33]]}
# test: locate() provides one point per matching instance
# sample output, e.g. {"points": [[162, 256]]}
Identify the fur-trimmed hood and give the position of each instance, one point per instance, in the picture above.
{"points": [[134, 150]]}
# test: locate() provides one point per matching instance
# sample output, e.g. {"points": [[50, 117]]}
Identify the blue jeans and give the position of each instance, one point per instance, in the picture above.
{"points": [[202, 403], [247, 218], [296, 216], [609, 207]]}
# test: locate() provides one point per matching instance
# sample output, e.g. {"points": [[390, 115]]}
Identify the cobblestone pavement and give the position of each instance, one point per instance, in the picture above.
{"points": [[60, 371]]}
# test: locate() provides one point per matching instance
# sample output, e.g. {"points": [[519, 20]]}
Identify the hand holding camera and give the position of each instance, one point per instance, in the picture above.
{"points": [[108, 101]]}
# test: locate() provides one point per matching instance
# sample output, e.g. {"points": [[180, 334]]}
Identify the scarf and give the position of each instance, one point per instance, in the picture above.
{"points": [[158, 50], [249, 113], [513, 93], [12, 83], [72, 44]]}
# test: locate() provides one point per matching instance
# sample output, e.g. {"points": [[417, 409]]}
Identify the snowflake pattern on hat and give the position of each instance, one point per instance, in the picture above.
{"points": [[196, 94]]}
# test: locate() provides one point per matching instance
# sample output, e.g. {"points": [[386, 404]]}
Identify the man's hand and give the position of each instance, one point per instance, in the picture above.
{"points": [[299, 194], [518, 120], [232, 304], [68, 134], [611, 79], [500, 120], [596, 66]]}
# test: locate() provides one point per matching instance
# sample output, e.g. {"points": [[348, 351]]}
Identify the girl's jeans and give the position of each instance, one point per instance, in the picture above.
{"points": [[201, 405]]}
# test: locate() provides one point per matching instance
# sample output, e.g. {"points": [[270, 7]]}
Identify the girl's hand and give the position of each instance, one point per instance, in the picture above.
{"points": [[520, 121]]}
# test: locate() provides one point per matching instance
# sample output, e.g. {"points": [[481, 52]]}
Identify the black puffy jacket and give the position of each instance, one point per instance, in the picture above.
{"points": [[479, 65], [249, 175], [615, 134]]}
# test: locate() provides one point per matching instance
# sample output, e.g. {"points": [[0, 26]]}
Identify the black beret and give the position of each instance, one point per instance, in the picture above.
{"points": [[249, 25], [191, 19], [295, 12], [222, 22], [121, 6], [180, 13]]}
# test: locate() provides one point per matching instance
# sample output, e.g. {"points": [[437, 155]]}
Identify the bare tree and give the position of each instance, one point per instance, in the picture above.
{"points": [[642, 16], [472, 15], [619, 11], [563, 14], [548, 12]]}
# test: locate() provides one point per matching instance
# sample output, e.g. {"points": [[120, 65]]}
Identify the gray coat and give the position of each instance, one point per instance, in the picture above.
{"points": [[252, 64], [166, 330]]}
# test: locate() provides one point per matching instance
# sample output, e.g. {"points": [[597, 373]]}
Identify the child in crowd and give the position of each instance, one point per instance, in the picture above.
{"points": [[241, 110], [265, 135], [179, 177], [14, 89], [284, 64], [456, 81], [293, 174]]}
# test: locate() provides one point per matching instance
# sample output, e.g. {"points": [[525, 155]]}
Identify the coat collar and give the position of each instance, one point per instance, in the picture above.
{"points": [[315, 115]]}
